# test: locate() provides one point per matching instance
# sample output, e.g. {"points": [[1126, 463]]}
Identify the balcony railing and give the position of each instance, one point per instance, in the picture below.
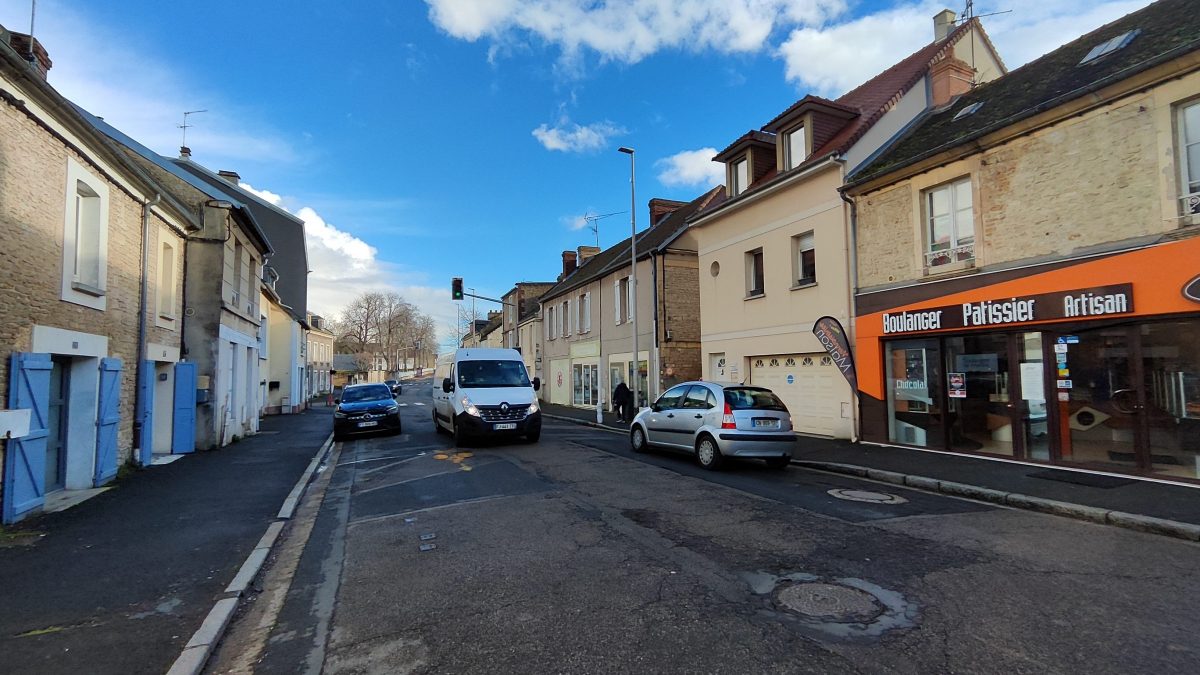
{"points": [[945, 256]]}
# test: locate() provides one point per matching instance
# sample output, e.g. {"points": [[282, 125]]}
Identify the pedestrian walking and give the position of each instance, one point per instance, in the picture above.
{"points": [[621, 401]]}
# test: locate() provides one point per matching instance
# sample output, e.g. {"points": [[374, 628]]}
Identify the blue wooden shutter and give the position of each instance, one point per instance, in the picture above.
{"points": [[108, 417], [25, 458], [145, 413], [183, 430]]}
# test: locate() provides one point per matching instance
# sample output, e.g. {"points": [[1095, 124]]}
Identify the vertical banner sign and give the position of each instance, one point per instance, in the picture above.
{"points": [[832, 337]]}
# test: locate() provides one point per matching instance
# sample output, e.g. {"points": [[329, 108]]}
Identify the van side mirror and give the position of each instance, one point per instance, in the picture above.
{"points": [[337, 399], [447, 385], [537, 383]]}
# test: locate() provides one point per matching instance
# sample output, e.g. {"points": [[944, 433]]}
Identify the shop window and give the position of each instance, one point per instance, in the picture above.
{"points": [[949, 224], [914, 393], [585, 383], [979, 399], [1189, 160], [754, 273]]}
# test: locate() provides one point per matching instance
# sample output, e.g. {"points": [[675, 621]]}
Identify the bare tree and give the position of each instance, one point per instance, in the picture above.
{"points": [[384, 326]]}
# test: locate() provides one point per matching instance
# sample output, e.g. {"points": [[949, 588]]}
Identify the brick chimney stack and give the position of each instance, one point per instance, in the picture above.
{"points": [[949, 78], [569, 259], [230, 176], [660, 208], [37, 57], [586, 253]]}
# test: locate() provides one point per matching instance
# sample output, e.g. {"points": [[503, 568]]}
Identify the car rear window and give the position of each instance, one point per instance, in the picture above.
{"points": [[753, 399]]}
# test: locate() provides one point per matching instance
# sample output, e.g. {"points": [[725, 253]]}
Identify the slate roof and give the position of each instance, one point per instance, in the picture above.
{"points": [[616, 257], [345, 363], [284, 230], [1169, 29]]}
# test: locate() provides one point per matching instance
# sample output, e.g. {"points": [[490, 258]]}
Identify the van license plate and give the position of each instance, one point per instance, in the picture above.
{"points": [[368, 424], [766, 424], [502, 427]]}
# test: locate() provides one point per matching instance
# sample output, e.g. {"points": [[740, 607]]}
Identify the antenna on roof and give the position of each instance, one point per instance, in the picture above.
{"points": [[184, 150], [32, 14], [594, 226]]}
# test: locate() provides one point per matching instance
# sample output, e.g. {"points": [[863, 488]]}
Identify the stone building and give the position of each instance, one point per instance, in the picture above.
{"points": [[90, 271], [1028, 284]]}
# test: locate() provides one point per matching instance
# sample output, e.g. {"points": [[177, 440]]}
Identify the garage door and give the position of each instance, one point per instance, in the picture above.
{"points": [[806, 383]]}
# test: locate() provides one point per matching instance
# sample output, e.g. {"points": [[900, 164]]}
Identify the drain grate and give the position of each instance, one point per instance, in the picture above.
{"points": [[830, 602], [867, 496]]}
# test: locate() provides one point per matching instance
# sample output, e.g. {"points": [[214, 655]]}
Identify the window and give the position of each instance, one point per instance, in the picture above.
{"points": [[550, 325], [741, 176], [673, 398], [1109, 46], [949, 224], [754, 273], [166, 282], [565, 315], [968, 111], [630, 308], [622, 300], [794, 149], [699, 398], [1189, 131], [237, 273], [85, 238], [585, 312], [804, 259]]}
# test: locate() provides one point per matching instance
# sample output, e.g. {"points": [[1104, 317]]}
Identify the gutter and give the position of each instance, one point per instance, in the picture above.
{"points": [[852, 288], [139, 404], [654, 258]]}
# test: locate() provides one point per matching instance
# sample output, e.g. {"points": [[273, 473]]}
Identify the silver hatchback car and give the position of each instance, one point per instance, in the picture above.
{"points": [[715, 421]]}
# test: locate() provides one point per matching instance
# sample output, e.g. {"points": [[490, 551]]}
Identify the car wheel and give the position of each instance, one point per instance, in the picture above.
{"points": [[637, 439], [779, 462], [708, 454]]}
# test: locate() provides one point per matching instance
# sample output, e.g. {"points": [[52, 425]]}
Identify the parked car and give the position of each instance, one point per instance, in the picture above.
{"points": [[364, 408], [394, 385], [716, 421]]}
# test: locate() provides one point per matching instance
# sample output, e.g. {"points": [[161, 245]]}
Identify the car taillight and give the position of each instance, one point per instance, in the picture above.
{"points": [[727, 421]]}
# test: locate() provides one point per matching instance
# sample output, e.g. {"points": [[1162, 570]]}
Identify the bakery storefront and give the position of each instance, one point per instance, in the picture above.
{"points": [[1093, 364]]}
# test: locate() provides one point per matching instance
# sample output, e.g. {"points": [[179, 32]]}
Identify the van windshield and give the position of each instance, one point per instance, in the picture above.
{"points": [[483, 373]]}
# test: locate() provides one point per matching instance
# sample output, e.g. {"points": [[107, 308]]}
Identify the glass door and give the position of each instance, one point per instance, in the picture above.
{"points": [[979, 394], [1031, 408], [1170, 358], [1098, 398]]}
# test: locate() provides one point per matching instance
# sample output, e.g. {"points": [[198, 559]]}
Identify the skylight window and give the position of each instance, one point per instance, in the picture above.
{"points": [[967, 111], [1110, 46]]}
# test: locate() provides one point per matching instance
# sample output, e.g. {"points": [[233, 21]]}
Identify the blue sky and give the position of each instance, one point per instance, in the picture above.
{"points": [[425, 140]]}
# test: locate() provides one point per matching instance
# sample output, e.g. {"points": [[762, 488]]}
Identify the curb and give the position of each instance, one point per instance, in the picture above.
{"points": [[200, 647], [1091, 514], [602, 427]]}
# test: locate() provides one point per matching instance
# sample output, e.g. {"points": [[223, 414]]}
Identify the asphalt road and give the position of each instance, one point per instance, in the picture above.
{"points": [[573, 555]]}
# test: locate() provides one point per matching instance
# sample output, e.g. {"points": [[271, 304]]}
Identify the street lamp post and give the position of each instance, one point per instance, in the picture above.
{"points": [[633, 267]]}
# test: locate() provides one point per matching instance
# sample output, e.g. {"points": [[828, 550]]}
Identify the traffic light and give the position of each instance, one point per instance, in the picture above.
{"points": [[456, 289]]}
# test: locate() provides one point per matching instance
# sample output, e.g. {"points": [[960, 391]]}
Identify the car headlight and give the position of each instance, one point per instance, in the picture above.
{"points": [[469, 407], [533, 407], [393, 408], [339, 414]]}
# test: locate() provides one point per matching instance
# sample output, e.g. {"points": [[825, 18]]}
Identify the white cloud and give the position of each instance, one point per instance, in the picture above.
{"points": [[833, 58], [629, 30], [576, 222], [570, 137], [691, 168], [99, 67], [344, 266]]}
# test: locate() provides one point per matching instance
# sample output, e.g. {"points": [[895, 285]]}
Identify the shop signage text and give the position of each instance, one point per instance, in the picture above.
{"points": [[1079, 303], [832, 336]]}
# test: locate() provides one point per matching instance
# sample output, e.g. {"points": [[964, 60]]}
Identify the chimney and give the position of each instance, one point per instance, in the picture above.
{"points": [[36, 54], [943, 24], [185, 152], [949, 78], [586, 253], [496, 314], [231, 176], [663, 207], [569, 258]]}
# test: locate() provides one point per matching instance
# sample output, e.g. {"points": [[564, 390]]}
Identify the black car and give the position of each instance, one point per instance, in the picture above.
{"points": [[364, 408], [394, 385]]}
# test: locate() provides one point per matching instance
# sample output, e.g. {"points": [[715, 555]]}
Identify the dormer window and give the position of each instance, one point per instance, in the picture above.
{"points": [[741, 176], [795, 151]]}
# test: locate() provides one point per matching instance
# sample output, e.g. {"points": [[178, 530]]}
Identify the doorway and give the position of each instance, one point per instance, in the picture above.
{"points": [[57, 423]]}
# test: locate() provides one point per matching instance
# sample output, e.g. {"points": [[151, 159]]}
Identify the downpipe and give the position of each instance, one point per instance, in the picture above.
{"points": [[139, 405]]}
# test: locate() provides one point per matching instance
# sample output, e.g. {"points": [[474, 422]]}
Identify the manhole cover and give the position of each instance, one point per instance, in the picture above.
{"points": [[867, 496], [830, 602]]}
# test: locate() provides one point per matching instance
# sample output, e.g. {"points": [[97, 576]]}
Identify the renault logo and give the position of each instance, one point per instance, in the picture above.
{"points": [[503, 407]]}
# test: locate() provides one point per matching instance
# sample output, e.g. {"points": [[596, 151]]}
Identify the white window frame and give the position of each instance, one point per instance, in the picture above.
{"points": [[1188, 139], [74, 291], [805, 241], [789, 159], [629, 299], [585, 312], [566, 318], [960, 250], [751, 291], [617, 301], [740, 175], [549, 321], [166, 299]]}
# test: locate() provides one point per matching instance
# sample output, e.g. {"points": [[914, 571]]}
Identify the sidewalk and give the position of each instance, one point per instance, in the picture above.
{"points": [[119, 583], [1163, 508]]}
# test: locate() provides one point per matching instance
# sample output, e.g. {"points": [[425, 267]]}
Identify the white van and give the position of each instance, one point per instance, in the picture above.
{"points": [[485, 392]]}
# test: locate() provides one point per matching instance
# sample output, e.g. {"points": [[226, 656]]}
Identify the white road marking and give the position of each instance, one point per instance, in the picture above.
{"points": [[405, 405], [418, 403]]}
